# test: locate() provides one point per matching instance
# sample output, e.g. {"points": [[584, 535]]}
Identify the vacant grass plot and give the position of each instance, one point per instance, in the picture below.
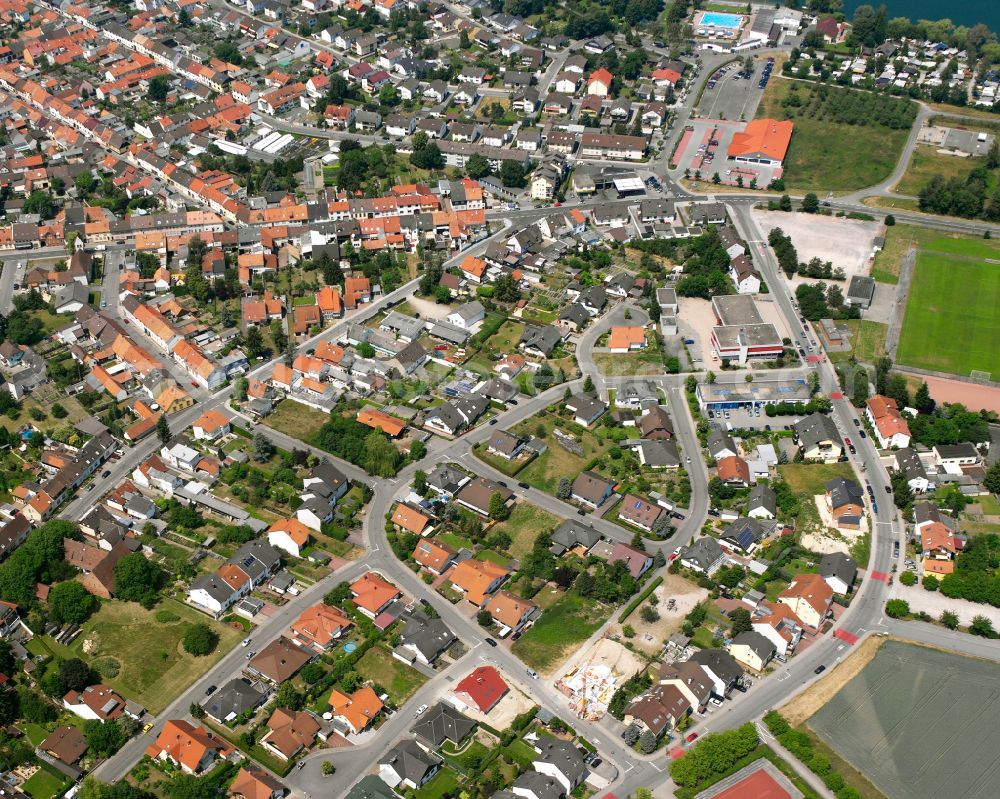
{"points": [[824, 154], [153, 666], [809, 479], [927, 162], [867, 339], [952, 319], [919, 723], [562, 628], [545, 470], [398, 679], [525, 524], [900, 238], [297, 420]]}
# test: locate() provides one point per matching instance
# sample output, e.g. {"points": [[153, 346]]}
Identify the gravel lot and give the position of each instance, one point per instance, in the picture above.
{"points": [[846, 243]]}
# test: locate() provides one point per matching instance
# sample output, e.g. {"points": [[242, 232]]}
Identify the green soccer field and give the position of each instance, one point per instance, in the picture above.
{"points": [[952, 320]]}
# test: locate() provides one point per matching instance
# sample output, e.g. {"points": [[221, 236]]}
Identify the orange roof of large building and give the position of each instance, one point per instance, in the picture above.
{"points": [[767, 137], [475, 577], [813, 589], [372, 593], [359, 709], [293, 528], [937, 535], [433, 554], [624, 337], [888, 420], [410, 519], [508, 609], [389, 424], [321, 624], [186, 744]]}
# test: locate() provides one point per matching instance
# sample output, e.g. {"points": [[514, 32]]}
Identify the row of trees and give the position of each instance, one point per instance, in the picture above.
{"points": [[818, 301], [970, 197], [850, 107]]}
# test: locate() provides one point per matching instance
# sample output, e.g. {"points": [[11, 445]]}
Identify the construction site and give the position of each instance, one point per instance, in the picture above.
{"points": [[591, 685]]}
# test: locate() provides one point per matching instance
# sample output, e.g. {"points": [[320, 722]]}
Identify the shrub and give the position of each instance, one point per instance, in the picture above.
{"points": [[107, 667], [897, 608], [166, 616], [199, 640], [908, 578]]}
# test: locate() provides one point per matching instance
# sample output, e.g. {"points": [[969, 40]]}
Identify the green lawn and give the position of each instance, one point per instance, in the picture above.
{"points": [[519, 752], [524, 525], [454, 540], [45, 784], [809, 479], [508, 467], [825, 155], [563, 627], [155, 669], [297, 420], [545, 470], [399, 680], [867, 339], [35, 733], [644, 362], [928, 162], [951, 322], [900, 238], [442, 785], [493, 557]]}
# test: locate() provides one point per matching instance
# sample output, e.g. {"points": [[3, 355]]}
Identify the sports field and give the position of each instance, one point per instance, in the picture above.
{"points": [[920, 723], [952, 320]]}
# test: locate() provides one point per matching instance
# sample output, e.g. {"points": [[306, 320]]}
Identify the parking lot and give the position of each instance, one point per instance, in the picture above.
{"points": [[732, 97]]}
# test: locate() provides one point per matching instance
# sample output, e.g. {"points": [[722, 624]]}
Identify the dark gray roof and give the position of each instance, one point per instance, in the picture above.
{"points": [[908, 461], [862, 287], [563, 755], [539, 785], [816, 428], [658, 452], [762, 496], [720, 663], [232, 699], [719, 441], [837, 564], [442, 722], [705, 551], [572, 533], [743, 533], [543, 339], [757, 643], [430, 636], [371, 787], [410, 761], [844, 491]]}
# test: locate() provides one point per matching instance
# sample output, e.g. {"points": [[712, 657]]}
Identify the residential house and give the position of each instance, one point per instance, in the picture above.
{"points": [[560, 760], [476, 580], [657, 710], [846, 502], [585, 409], [289, 535], [435, 556], [408, 765], [481, 689], [371, 594], [442, 723], [289, 732], [639, 512], [192, 749], [818, 438], [809, 598], [280, 660], [890, 427], [320, 627], [839, 571], [733, 470], [762, 502], [355, 712], [704, 556], [423, 638], [752, 649], [236, 697], [591, 489], [94, 703], [510, 612], [477, 494]]}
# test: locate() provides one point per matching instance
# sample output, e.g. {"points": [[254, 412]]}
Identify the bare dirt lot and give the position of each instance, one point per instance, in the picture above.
{"points": [[649, 636], [846, 243], [972, 396]]}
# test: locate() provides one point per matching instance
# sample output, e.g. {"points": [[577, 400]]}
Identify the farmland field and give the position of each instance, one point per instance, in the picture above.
{"points": [[918, 722], [952, 321]]}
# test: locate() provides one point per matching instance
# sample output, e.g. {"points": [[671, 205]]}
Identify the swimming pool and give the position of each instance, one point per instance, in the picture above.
{"points": [[718, 19]]}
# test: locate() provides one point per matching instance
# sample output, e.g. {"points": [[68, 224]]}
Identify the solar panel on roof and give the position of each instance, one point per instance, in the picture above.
{"points": [[638, 504], [745, 539]]}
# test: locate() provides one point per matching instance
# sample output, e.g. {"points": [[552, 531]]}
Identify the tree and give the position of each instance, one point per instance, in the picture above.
{"points": [[649, 614], [381, 457], [992, 479], [949, 619], [288, 697], [890, 220], [71, 603], [484, 619], [897, 608], [564, 488], [785, 203], [922, 399], [631, 734], [982, 626], [512, 175], [647, 742], [41, 203], [420, 482], [498, 507], [860, 394], [328, 768], [930, 582], [199, 640], [158, 89], [908, 578], [104, 738], [477, 166], [163, 428], [740, 621], [263, 449], [810, 203], [138, 580], [588, 385], [75, 675]]}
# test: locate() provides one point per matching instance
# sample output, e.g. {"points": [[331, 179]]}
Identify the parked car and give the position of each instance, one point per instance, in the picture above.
{"points": [[420, 710], [533, 674], [491, 642], [210, 690], [245, 642], [819, 669], [691, 737]]}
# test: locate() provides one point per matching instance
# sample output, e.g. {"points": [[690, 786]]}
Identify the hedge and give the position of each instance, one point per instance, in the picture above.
{"points": [[801, 746], [639, 599]]}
